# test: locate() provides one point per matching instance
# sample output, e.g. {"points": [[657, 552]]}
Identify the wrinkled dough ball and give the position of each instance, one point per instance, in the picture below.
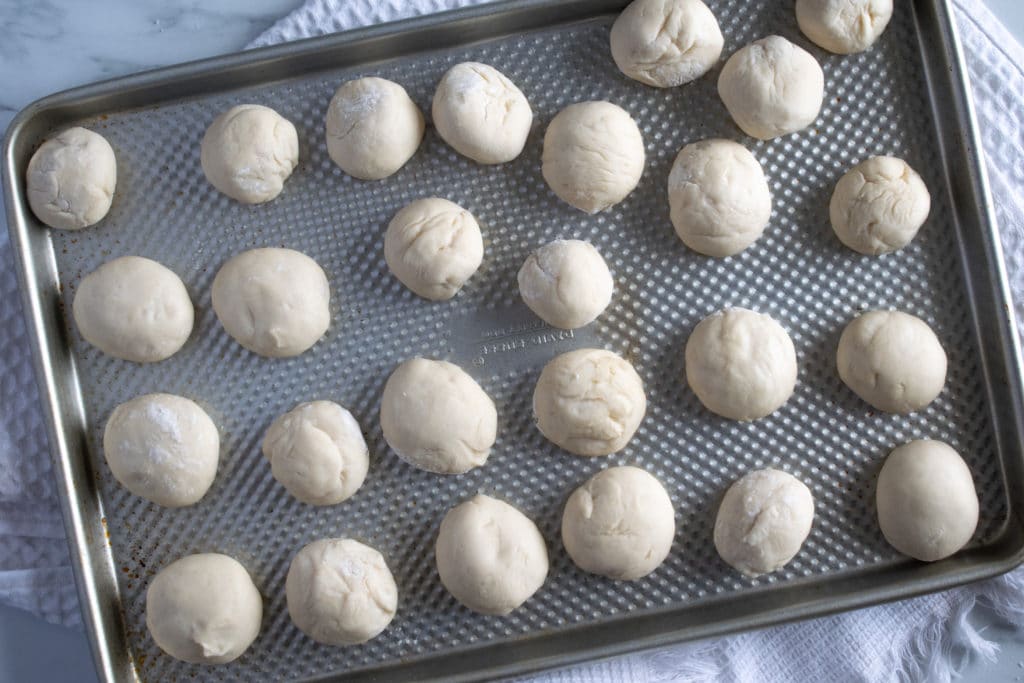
{"points": [[135, 309], [70, 179], [340, 592], [373, 128], [927, 505], [566, 283], [204, 609], [436, 417], [490, 556], [843, 26], [593, 155]]}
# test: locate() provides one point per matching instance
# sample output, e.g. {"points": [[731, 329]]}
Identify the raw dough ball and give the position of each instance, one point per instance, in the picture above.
{"points": [[373, 128], [879, 205], [340, 592], [490, 556], [248, 152], [843, 26], [666, 43], [593, 155], [203, 609], [272, 301], [436, 417], [620, 524], [772, 87], [566, 283], [433, 246], [763, 520], [741, 364], [70, 179], [135, 309], [927, 505], [481, 114], [719, 197], [589, 402], [317, 452]]}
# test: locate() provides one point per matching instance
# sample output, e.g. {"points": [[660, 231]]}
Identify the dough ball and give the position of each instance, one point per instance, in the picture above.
{"points": [[481, 113], [666, 43], [317, 452], [490, 556], [741, 364], [620, 524], [593, 155], [433, 246], [719, 198], [71, 178], [373, 128], [879, 205], [274, 302], [436, 417], [340, 592], [589, 402], [772, 87], [762, 521], [248, 152], [135, 309], [843, 26], [566, 283], [203, 609], [927, 506]]}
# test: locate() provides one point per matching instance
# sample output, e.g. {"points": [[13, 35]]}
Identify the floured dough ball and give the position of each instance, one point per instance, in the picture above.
{"points": [[481, 113], [204, 609], [433, 246], [340, 592], [248, 152], [490, 556], [843, 26], [589, 402], [593, 155], [134, 308], [741, 364], [272, 301], [879, 205], [317, 452], [436, 417], [373, 128], [763, 521], [927, 505], [719, 198], [772, 88], [70, 179], [566, 283]]}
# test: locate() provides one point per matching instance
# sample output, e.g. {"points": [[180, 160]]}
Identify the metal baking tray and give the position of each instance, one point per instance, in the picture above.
{"points": [[907, 96]]}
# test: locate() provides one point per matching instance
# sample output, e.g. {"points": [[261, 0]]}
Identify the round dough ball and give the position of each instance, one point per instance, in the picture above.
{"points": [[317, 452], [620, 524], [566, 283], [879, 205], [70, 179], [204, 609], [589, 402], [135, 309], [373, 128], [843, 26], [490, 556], [340, 592], [762, 521], [741, 364], [593, 155], [927, 505], [666, 43], [481, 113], [433, 246], [436, 417], [772, 88], [274, 302], [248, 152], [719, 198]]}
